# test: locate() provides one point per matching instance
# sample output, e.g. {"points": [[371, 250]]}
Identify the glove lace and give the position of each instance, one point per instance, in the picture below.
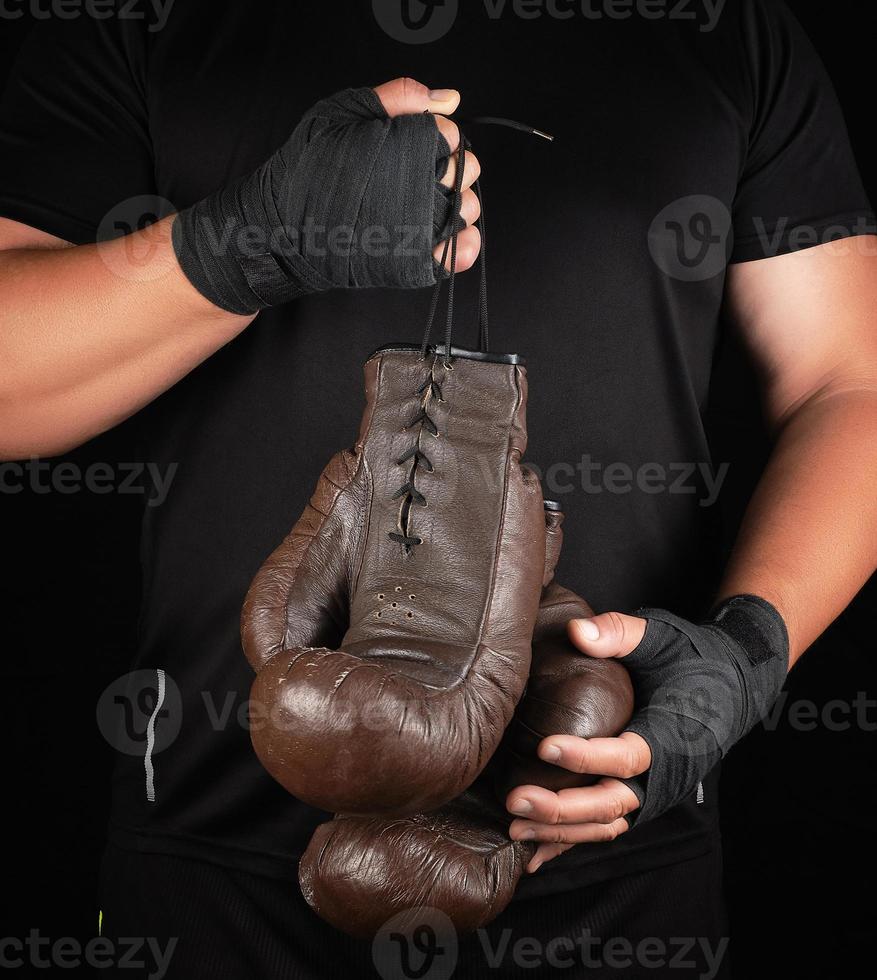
{"points": [[431, 390]]}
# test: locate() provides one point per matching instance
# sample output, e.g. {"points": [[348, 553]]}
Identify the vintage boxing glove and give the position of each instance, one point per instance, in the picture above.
{"points": [[421, 556], [358, 872]]}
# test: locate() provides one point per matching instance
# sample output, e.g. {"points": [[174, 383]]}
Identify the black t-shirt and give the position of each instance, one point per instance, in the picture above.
{"points": [[680, 146]]}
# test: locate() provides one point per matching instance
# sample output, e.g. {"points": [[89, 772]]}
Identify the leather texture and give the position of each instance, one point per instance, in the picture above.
{"points": [[359, 872], [391, 630]]}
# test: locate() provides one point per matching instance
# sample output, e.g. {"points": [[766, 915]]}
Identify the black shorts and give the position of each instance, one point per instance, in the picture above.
{"points": [[171, 918]]}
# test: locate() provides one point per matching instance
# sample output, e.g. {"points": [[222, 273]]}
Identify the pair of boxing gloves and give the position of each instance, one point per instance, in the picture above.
{"points": [[362, 872], [392, 633]]}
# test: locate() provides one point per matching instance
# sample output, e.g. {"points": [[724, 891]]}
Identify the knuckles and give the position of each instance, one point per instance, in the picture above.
{"points": [[468, 248], [409, 88], [616, 626], [472, 169], [613, 810], [610, 832], [630, 765]]}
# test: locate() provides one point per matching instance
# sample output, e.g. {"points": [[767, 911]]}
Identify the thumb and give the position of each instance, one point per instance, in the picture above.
{"points": [[403, 96], [610, 634]]}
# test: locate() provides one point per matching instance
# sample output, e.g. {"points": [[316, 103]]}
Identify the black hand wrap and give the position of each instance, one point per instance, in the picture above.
{"points": [[699, 689], [351, 199]]}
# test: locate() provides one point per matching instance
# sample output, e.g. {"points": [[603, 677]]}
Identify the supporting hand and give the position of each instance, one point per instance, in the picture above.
{"points": [[699, 688]]}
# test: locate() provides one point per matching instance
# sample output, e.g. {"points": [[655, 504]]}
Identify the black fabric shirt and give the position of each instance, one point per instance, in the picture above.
{"points": [[678, 149]]}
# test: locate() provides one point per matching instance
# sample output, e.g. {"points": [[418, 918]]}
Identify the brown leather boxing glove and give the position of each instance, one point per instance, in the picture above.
{"points": [[359, 872], [391, 630]]}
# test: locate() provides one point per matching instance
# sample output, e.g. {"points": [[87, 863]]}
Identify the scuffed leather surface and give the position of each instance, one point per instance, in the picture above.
{"points": [[567, 693], [358, 872], [300, 594], [388, 678]]}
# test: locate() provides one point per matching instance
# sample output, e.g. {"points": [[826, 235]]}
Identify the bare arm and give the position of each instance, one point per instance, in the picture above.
{"points": [[809, 539], [90, 334]]}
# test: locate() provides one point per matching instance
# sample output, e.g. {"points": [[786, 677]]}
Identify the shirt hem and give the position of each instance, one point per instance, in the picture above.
{"points": [[66, 227], [773, 242]]}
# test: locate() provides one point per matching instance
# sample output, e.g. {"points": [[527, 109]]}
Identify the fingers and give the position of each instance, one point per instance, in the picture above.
{"points": [[405, 95], [624, 757], [470, 207], [468, 247], [610, 634], [575, 833], [471, 171], [573, 816], [451, 132], [546, 852], [607, 801], [468, 240]]}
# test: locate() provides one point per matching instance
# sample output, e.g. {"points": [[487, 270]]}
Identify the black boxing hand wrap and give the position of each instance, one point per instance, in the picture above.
{"points": [[352, 199], [699, 689]]}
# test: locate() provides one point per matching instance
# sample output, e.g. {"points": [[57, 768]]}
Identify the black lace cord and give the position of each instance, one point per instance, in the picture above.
{"points": [[509, 124], [455, 210], [483, 337], [430, 388], [449, 244], [408, 492], [483, 320]]}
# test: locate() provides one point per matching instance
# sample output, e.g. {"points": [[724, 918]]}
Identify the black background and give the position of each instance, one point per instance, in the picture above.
{"points": [[799, 834]]}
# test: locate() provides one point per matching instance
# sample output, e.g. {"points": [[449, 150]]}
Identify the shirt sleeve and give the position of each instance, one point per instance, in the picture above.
{"points": [[800, 185], [74, 135]]}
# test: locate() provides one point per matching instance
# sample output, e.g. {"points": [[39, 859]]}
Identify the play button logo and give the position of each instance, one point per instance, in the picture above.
{"points": [[415, 21]]}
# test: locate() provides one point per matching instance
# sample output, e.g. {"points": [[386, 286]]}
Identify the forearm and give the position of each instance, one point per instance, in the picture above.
{"points": [[807, 543], [90, 334]]}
